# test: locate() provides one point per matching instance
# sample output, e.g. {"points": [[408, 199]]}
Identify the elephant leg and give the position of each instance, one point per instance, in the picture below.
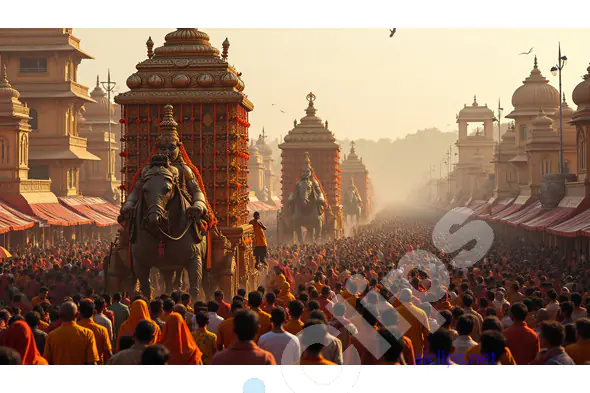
{"points": [[176, 280], [299, 233], [167, 275], [143, 275], [195, 272]]}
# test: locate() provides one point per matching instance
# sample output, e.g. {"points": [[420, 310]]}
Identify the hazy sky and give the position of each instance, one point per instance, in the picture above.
{"points": [[367, 85]]}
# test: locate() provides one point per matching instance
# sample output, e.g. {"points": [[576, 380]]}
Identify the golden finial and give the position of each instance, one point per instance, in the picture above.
{"points": [[535, 63], [474, 100], [295, 123], [97, 81], [564, 97], [225, 46], [150, 45], [310, 97], [4, 82]]}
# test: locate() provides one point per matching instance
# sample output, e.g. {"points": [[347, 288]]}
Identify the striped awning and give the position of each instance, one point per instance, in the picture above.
{"points": [[13, 220], [100, 211], [58, 215]]}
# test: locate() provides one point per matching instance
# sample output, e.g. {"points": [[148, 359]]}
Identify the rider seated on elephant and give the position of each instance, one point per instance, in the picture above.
{"points": [[307, 176], [168, 143], [260, 244]]}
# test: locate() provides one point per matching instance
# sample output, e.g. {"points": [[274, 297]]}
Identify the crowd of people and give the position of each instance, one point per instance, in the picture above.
{"points": [[334, 303]]}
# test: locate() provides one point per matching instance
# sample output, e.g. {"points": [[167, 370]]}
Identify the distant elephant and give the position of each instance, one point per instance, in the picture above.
{"points": [[307, 212]]}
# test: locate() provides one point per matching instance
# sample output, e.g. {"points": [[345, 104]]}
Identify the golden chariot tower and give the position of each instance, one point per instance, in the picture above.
{"points": [[312, 136], [211, 110], [354, 167]]}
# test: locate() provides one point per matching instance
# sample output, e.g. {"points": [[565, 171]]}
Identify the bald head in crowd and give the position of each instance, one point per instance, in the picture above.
{"points": [[68, 312]]}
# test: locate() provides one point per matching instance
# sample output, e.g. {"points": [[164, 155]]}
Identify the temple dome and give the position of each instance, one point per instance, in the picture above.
{"points": [[510, 134], [186, 42], [100, 109], [581, 94], [542, 121], [535, 93], [6, 89], [310, 129], [476, 111]]}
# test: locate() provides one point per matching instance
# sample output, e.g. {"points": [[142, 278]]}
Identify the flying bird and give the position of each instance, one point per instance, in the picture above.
{"points": [[526, 53], [282, 111], [392, 32], [273, 104]]}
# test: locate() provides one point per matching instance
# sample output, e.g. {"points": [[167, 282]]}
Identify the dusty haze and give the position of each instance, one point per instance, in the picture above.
{"points": [[367, 85]]}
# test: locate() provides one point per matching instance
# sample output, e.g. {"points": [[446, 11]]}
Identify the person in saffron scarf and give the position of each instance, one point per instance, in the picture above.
{"points": [[20, 338], [285, 296], [278, 279], [139, 312], [178, 340]]}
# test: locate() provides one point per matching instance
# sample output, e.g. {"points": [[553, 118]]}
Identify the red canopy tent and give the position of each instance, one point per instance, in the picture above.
{"points": [[101, 212], [13, 220], [58, 215], [506, 212], [495, 208], [524, 215], [548, 218], [572, 226]]}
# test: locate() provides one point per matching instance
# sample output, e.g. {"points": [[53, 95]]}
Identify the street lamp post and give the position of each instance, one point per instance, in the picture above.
{"points": [[109, 86], [556, 69]]}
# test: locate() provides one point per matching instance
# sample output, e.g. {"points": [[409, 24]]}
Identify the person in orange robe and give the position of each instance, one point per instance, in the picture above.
{"points": [[419, 325], [19, 337], [225, 330], [580, 351], [285, 295], [139, 312], [101, 334], [255, 301], [295, 325], [70, 343], [179, 341], [41, 298]]}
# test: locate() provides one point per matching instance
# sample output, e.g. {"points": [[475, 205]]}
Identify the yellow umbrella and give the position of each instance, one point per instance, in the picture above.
{"points": [[4, 254]]}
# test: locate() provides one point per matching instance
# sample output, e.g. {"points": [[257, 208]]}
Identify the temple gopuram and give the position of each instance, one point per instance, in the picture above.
{"points": [[354, 167], [312, 136], [211, 110]]}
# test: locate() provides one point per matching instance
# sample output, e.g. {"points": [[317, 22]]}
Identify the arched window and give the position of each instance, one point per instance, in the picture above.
{"points": [[34, 122], [3, 151], [523, 132]]}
